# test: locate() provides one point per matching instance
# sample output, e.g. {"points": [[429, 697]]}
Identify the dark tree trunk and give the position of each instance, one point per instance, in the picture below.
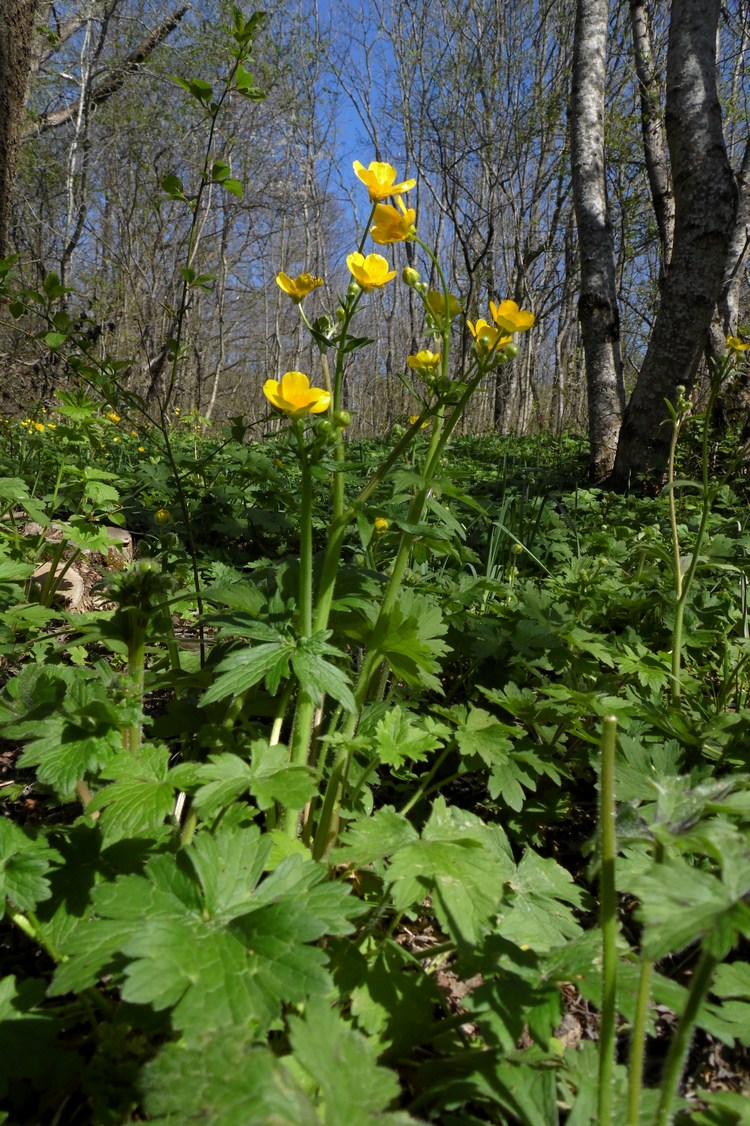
{"points": [[705, 204], [597, 308], [16, 41]]}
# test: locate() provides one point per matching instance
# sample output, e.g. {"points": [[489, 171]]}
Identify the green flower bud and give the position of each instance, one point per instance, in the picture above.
{"points": [[410, 276], [341, 419]]}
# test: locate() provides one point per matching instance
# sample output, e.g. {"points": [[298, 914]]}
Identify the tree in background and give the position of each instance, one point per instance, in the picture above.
{"points": [[472, 101], [16, 40], [705, 209], [597, 304]]}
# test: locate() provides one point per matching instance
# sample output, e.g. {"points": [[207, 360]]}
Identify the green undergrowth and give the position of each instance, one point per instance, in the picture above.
{"points": [[171, 954]]}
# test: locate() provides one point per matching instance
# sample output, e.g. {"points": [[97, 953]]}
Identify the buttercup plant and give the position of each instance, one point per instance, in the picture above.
{"points": [[442, 401]]}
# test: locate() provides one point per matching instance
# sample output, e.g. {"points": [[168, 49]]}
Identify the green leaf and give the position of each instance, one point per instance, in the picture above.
{"points": [[317, 675], [221, 1078], [408, 639], [680, 903], [29, 1045], [24, 864], [245, 668], [274, 779], [54, 340], [141, 795], [537, 914], [14, 572], [375, 837], [398, 738], [234, 187], [64, 753], [196, 87], [220, 170], [463, 863], [353, 1087], [210, 939]]}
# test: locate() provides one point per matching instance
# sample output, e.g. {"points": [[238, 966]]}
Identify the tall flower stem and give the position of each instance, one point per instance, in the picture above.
{"points": [[639, 1027], [329, 819], [306, 705], [608, 919], [683, 577], [678, 1049]]}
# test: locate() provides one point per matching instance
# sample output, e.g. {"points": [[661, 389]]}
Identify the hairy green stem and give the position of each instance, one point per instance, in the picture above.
{"points": [[678, 1049], [638, 1031], [608, 920]]}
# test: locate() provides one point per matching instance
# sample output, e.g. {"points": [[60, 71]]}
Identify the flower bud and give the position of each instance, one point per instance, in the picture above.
{"points": [[163, 517], [410, 276], [381, 525], [341, 419], [511, 351], [354, 288]]}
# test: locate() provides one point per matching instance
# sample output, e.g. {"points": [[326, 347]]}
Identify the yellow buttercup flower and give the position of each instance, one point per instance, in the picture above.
{"points": [[415, 418], [379, 179], [393, 224], [436, 305], [487, 338], [299, 287], [735, 344], [508, 316], [423, 361], [380, 525], [294, 395], [39, 426], [113, 416], [371, 272]]}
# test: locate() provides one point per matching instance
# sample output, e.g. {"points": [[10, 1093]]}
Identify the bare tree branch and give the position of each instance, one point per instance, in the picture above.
{"points": [[115, 80]]}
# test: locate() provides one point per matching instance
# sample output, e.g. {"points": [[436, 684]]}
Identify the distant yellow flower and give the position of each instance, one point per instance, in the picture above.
{"points": [[371, 272], [508, 316], [735, 344], [436, 305], [423, 361], [393, 224], [487, 338], [141, 449], [380, 525], [299, 287], [39, 426], [52, 426], [133, 433], [115, 439], [294, 395], [415, 418], [113, 417], [379, 179]]}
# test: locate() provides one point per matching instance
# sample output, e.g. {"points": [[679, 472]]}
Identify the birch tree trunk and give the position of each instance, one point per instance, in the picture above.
{"points": [[654, 139], [705, 207], [16, 40], [597, 307]]}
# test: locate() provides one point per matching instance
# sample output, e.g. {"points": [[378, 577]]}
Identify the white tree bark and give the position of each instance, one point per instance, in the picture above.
{"points": [[597, 308], [705, 211]]}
